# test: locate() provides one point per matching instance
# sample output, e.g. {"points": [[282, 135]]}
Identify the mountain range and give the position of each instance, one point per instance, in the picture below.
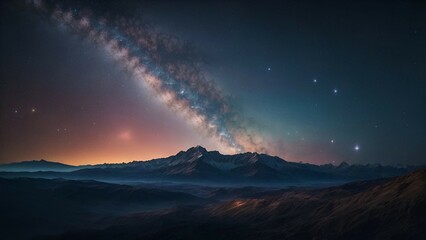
{"points": [[200, 194], [199, 165]]}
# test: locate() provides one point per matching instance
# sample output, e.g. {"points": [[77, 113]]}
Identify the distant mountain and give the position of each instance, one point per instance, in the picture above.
{"points": [[36, 165], [199, 165]]}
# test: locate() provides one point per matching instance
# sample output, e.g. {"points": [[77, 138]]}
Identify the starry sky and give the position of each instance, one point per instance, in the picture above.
{"points": [[101, 81]]}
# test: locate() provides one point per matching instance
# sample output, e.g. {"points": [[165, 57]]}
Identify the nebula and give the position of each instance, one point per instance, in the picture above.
{"points": [[166, 66]]}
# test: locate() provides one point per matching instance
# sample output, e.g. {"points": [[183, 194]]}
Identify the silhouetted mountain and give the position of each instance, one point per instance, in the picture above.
{"points": [[381, 209], [36, 165], [199, 165]]}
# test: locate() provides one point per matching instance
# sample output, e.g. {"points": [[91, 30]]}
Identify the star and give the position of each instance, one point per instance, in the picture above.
{"points": [[315, 80], [335, 91], [269, 69], [33, 110], [357, 148], [332, 141], [16, 111]]}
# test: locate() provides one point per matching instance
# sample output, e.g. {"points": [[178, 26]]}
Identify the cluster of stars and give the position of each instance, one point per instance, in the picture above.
{"points": [[332, 141], [335, 91], [33, 110], [315, 81], [356, 147], [61, 130]]}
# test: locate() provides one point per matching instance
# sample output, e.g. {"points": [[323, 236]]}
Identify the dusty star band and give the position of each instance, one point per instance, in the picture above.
{"points": [[167, 66]]}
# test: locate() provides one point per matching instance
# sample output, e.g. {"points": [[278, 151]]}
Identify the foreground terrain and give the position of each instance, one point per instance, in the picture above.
{"points": [[393, 208]]}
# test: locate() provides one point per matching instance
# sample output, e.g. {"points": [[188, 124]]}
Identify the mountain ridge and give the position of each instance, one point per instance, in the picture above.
{"points": [[197, 164], [37, 165]]}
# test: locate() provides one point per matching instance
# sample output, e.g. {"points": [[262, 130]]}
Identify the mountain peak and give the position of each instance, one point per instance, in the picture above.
{"points": [[191, 154], [197, 149], [343, 165]]}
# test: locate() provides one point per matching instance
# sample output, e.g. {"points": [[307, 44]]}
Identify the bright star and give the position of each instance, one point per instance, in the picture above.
{"points": [[332, 141], [315, 80], [269, 69], [33, 110], [335, 91], [356, 147]]}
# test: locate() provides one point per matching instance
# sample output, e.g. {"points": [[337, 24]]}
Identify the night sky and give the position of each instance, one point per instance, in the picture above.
{"points": [[105, 81]]}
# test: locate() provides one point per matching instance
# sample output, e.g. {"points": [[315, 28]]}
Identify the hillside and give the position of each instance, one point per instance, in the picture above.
{"points": [[385, 209]]}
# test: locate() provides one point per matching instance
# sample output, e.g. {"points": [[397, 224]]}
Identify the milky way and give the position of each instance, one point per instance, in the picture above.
{"points": [[165, 65]]}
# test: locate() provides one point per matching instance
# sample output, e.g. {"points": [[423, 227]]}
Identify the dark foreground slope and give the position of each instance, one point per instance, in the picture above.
{"points": [[31, 207], [391, 209]]}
